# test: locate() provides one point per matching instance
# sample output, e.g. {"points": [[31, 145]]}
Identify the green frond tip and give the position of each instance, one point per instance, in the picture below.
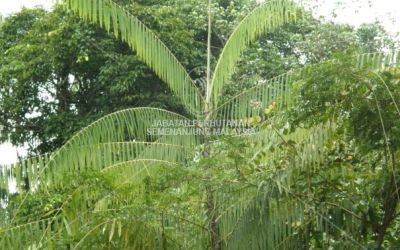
{"points": [[263, 19], [151, 50], [25, 173], [378, 61]]}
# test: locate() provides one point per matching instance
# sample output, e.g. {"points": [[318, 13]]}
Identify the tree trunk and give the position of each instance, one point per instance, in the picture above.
{"points": [[63, 95]]}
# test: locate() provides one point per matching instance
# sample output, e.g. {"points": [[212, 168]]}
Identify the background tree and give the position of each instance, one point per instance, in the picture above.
{"points": [[58, 71]]}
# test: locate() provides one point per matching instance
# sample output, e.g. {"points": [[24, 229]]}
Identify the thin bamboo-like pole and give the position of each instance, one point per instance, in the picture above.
{"points": [[210, 203]]}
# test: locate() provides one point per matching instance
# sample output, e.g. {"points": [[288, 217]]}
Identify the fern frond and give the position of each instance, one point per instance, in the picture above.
{"points": [[266, 216]]}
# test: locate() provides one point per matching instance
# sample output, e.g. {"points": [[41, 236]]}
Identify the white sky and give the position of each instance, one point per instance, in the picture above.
{"points": [[354, 12], [8, 153], [8, 7]]}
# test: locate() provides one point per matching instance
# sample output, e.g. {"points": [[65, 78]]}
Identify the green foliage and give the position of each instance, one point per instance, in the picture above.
{"points": [[58, 71], [362, 159], [365, 100], [305, 179], [373, 37]]}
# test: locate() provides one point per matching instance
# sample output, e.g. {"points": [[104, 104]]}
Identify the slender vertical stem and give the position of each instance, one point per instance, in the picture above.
{"points": [[210, 201], [208, 88], [207, 106]]}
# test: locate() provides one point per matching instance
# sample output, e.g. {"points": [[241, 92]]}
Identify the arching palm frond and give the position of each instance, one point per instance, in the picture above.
{"points": [[278, 89], [146, 44], [263, 19], [118, 137], [378, 61], [108, 154]]}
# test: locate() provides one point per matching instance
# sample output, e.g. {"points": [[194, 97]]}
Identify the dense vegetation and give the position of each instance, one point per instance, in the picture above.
{"points": [[321, 171]]}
